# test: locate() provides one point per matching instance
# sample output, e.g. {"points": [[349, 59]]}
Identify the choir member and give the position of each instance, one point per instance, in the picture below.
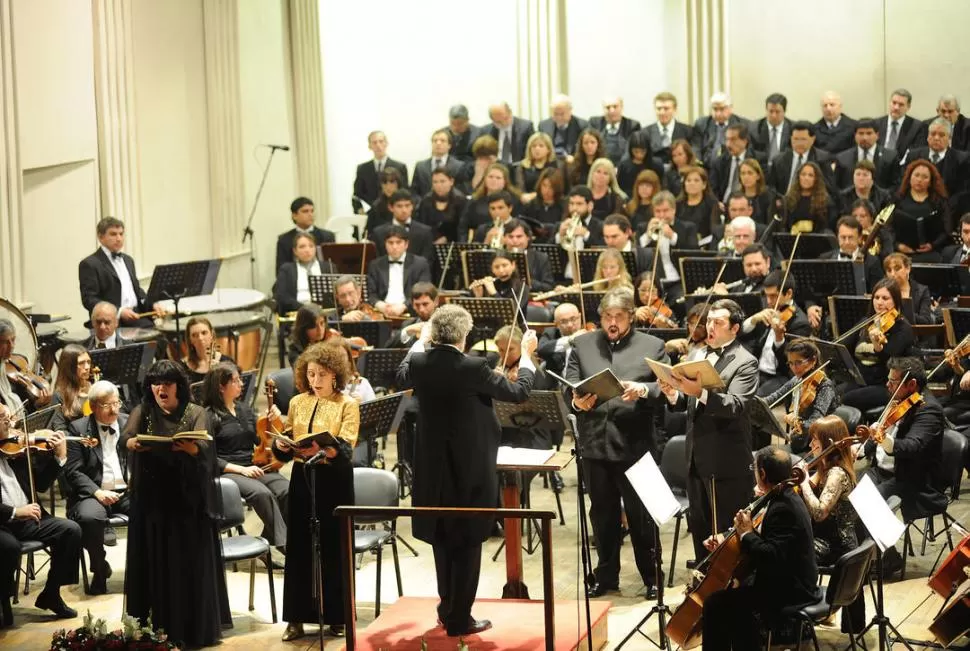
{"points": [[302, 213], [540, 156], [442, 206], [898, 267], [696, 202], [921, 221], [808, 206], [369, 181], [440, 158]]}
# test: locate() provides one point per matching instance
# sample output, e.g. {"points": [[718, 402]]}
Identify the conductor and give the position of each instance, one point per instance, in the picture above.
{"points": [[455, 452]]}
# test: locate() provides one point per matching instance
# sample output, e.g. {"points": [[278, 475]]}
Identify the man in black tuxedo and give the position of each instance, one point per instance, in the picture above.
{"points": [[771, 135], [781, 556], [367, 185], [867, 147], [615, 127], [420, 236], [463, 133], [562, 127], [718, 426], [104, 327], [302, 214], [518, 237], [97, 477], [784, 166], [21, 519], [710, 130], [953, 164], [556, 344], [440, 157], [618, 234], [455, 452], [616, 434], [666, 129], [957, 253], [511, 133], [726, 168], [834, 130], [391, 276], [109, 275], [897, 130], [849, 231], [948, 108]]}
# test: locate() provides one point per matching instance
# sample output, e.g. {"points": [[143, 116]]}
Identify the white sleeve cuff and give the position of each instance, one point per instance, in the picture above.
{"points": [[747, 326], [526, 363], [703, 397], [417, 346]]}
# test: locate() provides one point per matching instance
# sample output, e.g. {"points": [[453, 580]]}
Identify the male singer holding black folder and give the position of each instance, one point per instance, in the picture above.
{"points": [[615, 434]]}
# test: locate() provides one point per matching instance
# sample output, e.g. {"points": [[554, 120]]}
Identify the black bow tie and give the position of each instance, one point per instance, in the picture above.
{"points": [[107, 429], [115, 255], [716, 351], [395, 262]]}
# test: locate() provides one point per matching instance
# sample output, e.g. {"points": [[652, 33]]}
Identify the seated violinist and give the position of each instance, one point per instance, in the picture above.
{"points": [[781, 557], [956, 405], [694, 345], [23, 518], [889, 335], [72, 385], [898, 267], [651, 310], [905, 448], [203, 352], [309, 327], [97, 479], [390, 276], [763, 333], [350, 301], [809, 394], [358, 387], [424, 301]]}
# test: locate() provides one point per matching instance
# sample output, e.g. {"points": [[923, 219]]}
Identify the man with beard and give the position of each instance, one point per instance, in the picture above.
{"points": [[615, 434]]}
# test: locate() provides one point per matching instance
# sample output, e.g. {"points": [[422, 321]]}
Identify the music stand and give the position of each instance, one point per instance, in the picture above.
{"points": [[40, 419], [349, 257], [823, 278], [557, 258], [665, 334], [378, 418], [957, 322], [449, 258], [323, 287], [701, 272], [181, 280], [589, 257], [126, 365], [380, 366], [946, 281], [764, 419], [847, 311], [841, 363], [375, 333], [477, 263], [811, 246], [488, 314]]}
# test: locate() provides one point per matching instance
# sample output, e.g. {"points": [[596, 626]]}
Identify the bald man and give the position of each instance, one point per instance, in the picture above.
{"points": [[835, 132], [556, 343], [615, 127], [562, 126], [511, 133]]}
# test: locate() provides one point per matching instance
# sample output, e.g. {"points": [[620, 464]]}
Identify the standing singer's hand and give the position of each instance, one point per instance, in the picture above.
{"points": [[667, 389], [690, 386], [633, 390], [188, 447], [584, 403]]}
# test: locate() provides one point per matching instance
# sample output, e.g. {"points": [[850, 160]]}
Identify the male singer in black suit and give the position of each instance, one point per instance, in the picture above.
{"points": [[440, 157], [420, 236], [21, 519], [783, 167], [834, 130], [391, 276], [367, 185], [867, 147], [666, 129], [302, 214], [897, 130], [455, 453], [709, 130], [849, 231], [781, 556], [718, 426], [615, 127], [97, 478], [948, 108], [953, 164], [615, 435], [771, 135], [511, 133], [463, 133], [726, 168], [109, 275], [562, 127]]}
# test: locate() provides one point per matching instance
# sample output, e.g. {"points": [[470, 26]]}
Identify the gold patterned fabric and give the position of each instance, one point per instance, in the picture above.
{"points": [[339, 415]]}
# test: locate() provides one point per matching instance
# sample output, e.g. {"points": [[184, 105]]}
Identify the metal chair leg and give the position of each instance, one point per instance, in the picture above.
{"points": [[397, 567], [252, 582], [927, 533], [272, 588], [377, 598], [84, 573]]}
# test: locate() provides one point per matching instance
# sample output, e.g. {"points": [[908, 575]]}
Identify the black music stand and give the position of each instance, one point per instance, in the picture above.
{"points": [[765, 420], [811, 246], [488, 314], [702, 272], [591, 303], [557, 258], [677, 254], [182, 280], [946, 281], [847, 311], [349, 257], [380, 366], [841, 363], [589, 257], [322, 288], [665, 334], [449, 262], [477, 263], [822, 278], [957, 322], [375, 333], [40, 419], [126, 365]]}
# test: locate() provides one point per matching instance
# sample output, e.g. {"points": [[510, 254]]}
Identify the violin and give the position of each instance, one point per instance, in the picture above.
{"points": [[357, 345], [86, 407], [263, 451], [13, 446], [36, 388], [895, 411], [657, 313], [810, 389], [881, 324]]}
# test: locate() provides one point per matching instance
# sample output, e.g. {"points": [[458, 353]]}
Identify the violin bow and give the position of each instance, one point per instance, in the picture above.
{"points": [[653, 270], [885, 411], [784, 279], [963, 342], [792, 390], [518, 307], [444, 271]]}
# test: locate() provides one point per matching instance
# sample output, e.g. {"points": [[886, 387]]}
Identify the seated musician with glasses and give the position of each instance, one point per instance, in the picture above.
{"points": [[96, 478], [350, 301]]}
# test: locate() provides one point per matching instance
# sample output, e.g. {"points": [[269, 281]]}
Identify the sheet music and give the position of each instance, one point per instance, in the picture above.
{"points": [[509, 456], [879, 519], [652, 489]]}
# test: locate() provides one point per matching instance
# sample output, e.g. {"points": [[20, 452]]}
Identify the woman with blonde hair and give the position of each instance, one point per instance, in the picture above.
{"points": [[539, 156], [608, 198], [611, 268]]}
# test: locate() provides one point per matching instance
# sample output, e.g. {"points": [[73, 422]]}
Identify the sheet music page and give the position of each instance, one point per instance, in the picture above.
{"points": [[509, 456], [879, 519], [652, 489]]}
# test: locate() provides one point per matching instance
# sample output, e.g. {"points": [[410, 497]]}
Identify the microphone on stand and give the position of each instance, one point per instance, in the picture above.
{"points": [[283, 147], [317, 458]]}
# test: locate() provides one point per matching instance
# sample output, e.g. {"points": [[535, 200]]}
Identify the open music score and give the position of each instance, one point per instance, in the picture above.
{"points": [[698, 369], [154, 439]]}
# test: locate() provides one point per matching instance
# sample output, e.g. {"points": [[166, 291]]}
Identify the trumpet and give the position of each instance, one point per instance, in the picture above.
{"points": [[498, 236], [655, 231], [569, 239]]}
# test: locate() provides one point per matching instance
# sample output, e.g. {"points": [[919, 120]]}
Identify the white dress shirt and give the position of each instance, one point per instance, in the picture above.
{"points": [[395, 283], [128, 297], [13, 494], [112, 478], [303, 273]]}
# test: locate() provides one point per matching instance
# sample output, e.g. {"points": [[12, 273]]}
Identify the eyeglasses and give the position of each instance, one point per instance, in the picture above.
{"points": [[798, 362], [114, 404]]}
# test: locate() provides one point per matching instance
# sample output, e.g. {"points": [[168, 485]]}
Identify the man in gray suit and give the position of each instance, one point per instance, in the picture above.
{"points": [[719, 471]]}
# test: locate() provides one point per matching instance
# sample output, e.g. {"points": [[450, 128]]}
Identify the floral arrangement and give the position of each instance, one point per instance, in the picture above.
{"points": [[93, 635]]}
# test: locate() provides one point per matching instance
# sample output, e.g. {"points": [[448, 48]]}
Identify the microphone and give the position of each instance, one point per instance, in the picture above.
{"points": [[283, 147], [317, 458]]}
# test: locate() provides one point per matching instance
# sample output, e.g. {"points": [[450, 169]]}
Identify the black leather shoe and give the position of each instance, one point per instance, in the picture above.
{"points": [[650, 592], [599, 589], [53, 602], [474, 626], [293, 632], [110, 537], [99, 585], [336, 630]]}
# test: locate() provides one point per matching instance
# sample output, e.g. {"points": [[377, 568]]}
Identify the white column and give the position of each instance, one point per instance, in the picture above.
{"points": [[540, 55], [310, 144], [224, 108], [117, 136], [11, 188], [707, 53]]}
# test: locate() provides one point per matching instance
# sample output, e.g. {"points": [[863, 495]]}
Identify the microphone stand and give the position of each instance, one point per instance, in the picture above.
{"points": [[660, 609], [248, 231], [585, 554], [317, 568]]}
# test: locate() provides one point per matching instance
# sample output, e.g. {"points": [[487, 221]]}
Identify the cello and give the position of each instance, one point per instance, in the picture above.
{"points": [[263, 451]]}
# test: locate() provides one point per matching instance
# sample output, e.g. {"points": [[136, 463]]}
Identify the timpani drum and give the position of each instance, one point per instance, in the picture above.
{"points": [[26, 343]]}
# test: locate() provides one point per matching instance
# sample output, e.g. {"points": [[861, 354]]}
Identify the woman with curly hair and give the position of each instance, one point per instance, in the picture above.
{"points": [[922, 202], [321, 374], [808, 206]]}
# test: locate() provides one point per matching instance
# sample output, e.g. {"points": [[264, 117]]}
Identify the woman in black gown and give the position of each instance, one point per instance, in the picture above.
{"points": [[174, 570]]}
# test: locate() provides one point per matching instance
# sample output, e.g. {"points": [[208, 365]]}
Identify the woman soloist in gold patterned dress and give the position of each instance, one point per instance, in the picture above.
{"points": [[320, 375]]}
